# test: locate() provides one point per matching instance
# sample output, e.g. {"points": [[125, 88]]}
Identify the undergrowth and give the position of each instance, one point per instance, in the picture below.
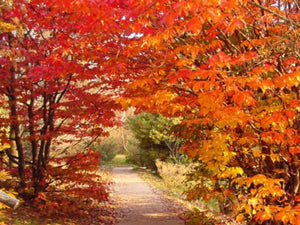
{"points": [[77, 193]]}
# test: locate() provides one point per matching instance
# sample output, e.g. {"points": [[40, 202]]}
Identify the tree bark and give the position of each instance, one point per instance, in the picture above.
{"points": [[8, 200], [13, 149]]}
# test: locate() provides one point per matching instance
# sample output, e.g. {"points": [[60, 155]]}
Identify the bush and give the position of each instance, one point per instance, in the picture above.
{"points": [[146, 157], [151, 133], [76, 185], [173, 175], [133, 154], [149, 156], [198, 217]]}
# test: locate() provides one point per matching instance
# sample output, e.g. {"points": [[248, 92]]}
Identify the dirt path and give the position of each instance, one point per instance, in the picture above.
{"points": [[137, 202]]}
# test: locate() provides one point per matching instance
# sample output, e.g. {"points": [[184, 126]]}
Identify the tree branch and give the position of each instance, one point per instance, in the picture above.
{"points": [[275, 14]]}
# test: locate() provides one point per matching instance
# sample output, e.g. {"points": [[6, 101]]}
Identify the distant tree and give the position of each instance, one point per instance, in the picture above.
{"points": [[155, 137], [164, 133]]}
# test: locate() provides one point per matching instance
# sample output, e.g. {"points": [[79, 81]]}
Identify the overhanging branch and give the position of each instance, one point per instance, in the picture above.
{"points": [[275, 14]]}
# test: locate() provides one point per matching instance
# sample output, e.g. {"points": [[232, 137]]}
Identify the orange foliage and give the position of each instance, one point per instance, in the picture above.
{"points": [[231, 71]]}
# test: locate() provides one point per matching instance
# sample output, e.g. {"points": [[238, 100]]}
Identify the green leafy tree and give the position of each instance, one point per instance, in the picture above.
{"points": [[164, 133], [156, 139], [108, 148]]}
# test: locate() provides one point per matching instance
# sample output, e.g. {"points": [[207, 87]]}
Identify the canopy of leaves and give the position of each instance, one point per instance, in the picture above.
{"points": [[231, 70], [228, 68], [57, 86]]}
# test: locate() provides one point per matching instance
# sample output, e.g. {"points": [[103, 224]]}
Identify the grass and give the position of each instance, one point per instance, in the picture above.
{"points": [[172, 181]]}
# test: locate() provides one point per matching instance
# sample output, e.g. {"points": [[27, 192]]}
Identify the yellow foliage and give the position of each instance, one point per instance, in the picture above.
{"points": [[263, 216], [275, 157], [4, 146], [231, 172], [240, 218], [4, 175], [283, 217], [174, 175], [6, 27], [256, 153], [9, 192]]}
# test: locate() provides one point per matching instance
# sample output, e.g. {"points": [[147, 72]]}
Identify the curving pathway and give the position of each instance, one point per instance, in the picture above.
{"points": [[137, 203]]}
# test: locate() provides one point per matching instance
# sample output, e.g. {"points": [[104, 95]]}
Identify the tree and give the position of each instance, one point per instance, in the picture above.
{"points": [[56, 83], [230, 69], [156, 139], [149, 149], [165, 133]]}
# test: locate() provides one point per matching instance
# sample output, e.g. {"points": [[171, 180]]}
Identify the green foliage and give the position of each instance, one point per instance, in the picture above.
{"points": [[154, 139], [108, 149], [145, 157], [142, 126], [133, 154], [120, 160], [148, 156]]}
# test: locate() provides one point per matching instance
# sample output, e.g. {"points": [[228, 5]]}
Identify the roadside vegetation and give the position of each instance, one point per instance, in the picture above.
{"points": [[52, 209], [171, 180]]}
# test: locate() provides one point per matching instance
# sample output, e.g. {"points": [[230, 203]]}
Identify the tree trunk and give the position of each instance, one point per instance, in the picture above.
{"points": [[13, 149], [8, 200], [19, 147]]}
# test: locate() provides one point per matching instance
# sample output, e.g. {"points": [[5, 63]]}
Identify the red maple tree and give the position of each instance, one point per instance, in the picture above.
{"points": [[56, 84]]}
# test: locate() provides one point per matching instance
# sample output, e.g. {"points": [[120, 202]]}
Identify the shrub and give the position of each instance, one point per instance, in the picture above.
{"points": [[151, 134], [145, 156], [198, 217], [174, 175], [133, 153], [75, 185]]}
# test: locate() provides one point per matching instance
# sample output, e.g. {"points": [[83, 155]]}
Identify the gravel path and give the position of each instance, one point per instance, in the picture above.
{"points": [[137, 203]]}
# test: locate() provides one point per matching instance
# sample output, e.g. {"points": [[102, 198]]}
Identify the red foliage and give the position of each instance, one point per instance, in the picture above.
{"points": [[56, 83], [74, 185]]}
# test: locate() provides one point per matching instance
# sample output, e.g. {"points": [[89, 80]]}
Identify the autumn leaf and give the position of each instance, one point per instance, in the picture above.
{"points": [[195, 25]]}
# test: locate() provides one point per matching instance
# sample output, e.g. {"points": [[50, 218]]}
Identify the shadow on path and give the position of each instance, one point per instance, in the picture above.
{"points": [[137, 203]]}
